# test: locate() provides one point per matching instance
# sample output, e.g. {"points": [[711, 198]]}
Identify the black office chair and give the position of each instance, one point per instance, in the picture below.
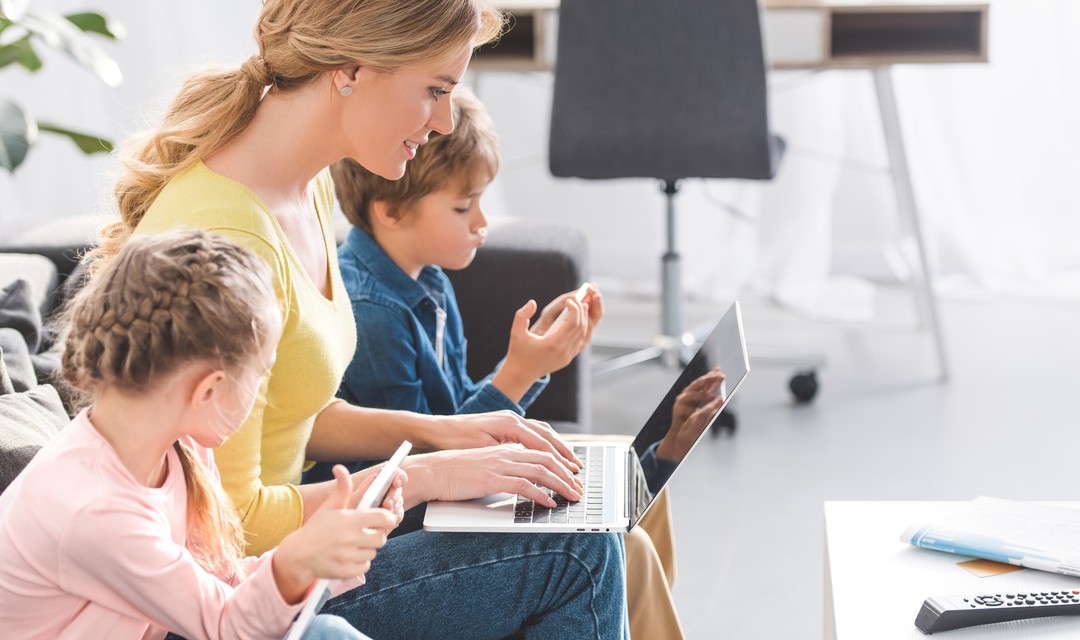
{"points": [[666, 89]]}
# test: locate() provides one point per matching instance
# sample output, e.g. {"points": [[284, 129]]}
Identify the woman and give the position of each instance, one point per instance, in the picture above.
{"points": [[244, 153]]}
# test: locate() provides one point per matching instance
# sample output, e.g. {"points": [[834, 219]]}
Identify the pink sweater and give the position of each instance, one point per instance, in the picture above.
{"points": [[87, 552]]}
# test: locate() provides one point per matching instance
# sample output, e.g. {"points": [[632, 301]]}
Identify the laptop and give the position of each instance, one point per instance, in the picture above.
{"points": [[621, 479]]}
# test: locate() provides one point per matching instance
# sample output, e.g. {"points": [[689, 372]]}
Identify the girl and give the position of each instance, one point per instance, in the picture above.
{"points": [[243, 153], [118, 528]]}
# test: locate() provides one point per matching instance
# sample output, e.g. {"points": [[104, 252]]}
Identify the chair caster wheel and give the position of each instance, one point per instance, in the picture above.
{"points": [[724, 422], [804, 386]]}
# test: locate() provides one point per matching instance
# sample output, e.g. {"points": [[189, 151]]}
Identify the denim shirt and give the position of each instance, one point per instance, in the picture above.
{"points": [[396, 364]]}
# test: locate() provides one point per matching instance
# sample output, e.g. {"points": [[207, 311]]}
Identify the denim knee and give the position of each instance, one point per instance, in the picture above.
{"points": [[604, 548]]}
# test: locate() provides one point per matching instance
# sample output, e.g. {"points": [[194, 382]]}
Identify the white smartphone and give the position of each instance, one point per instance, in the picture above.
{"points": [[373, 497], [579, 295]]}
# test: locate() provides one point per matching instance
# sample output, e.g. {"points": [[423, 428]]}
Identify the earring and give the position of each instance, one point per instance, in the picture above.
{"points": [[346, 91]]}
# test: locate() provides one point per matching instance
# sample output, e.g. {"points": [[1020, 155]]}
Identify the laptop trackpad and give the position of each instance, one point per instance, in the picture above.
{"points": [[496, 509]]}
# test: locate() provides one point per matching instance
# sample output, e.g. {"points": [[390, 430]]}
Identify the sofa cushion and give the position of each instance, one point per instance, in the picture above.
{"points": [[16, 359], [28, 421], [38, 272], [19, 311]]}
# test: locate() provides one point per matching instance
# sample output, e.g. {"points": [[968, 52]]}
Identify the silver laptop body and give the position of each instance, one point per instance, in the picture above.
{"points": [[622, 479]]}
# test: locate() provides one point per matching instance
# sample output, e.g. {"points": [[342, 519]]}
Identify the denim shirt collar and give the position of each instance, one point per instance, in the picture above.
{"points": [[378, 263]]}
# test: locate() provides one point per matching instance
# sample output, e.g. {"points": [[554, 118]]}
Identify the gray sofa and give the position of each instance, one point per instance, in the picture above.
{"points": [[521, 260]]}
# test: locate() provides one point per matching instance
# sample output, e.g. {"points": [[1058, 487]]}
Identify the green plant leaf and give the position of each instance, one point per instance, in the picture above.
{"points": [[97, 23], [17, 132], [57, 32], [22, 52], [86, 142]]}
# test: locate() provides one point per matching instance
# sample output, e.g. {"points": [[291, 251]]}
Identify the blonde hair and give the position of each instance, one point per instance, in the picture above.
{"points": [[165, 301], [468, 154], [298, 40]]}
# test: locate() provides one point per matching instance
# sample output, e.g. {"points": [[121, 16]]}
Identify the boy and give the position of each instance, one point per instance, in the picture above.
{"points": [[410, 352], [410, 345]]}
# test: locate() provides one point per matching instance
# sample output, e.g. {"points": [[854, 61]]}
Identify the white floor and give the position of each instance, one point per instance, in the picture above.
{"points": [[748, 507]]}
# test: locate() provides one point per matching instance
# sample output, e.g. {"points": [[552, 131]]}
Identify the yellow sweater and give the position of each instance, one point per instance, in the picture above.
{"points": [[262, 461]]}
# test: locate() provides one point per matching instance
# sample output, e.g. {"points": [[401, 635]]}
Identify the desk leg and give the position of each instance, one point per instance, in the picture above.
{"points": [[830, 607], [909, 212]]}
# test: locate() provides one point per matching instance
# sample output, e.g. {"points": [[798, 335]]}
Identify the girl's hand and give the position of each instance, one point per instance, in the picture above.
{"points": [[474, 473], [336, 542], [393, 502]]}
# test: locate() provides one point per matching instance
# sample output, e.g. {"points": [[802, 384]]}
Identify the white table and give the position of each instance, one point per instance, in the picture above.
{"points": [[875, 584]]}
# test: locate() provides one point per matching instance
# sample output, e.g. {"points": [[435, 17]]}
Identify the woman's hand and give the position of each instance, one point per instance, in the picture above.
{"points": [[474, 473], [473, 431], [337, 542]]}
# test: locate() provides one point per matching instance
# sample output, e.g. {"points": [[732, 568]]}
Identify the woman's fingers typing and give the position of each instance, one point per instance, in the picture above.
{"points": [[474, 473]]}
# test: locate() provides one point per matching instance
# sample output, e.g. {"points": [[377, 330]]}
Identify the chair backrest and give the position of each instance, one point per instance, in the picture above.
{"points": [[662, 89]]}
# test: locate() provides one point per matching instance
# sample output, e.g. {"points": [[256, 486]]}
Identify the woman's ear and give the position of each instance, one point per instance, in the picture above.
{"points": [[345, 77]]}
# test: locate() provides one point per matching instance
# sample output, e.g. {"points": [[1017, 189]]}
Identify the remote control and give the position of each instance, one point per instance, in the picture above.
{"points": [[943, 613]]}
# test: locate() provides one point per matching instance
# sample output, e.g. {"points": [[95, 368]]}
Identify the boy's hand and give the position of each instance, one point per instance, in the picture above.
{"points": [[531, 356], [555, 307]]}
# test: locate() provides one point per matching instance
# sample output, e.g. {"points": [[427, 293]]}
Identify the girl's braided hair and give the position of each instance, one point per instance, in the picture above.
{"points": [[167, 300]]}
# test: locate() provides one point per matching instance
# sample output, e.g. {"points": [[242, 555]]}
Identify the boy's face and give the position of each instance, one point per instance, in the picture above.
{"points": [[446, 227]]}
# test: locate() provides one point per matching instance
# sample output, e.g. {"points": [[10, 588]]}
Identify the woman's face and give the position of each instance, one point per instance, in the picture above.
{"points": [[389, 114]]}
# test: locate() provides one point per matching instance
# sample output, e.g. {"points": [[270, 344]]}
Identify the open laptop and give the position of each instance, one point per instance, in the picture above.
{"points": [[622, 479]]}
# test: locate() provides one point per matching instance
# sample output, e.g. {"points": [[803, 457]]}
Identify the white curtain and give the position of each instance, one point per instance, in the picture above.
{"points": [[993, 151]]}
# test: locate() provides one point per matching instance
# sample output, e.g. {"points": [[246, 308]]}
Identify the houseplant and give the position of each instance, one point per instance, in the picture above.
{"points": [[24, 27]]}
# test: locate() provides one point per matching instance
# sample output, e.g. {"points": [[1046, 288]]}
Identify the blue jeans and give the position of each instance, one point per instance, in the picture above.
{"points": [[492, 585], [322, 627]]}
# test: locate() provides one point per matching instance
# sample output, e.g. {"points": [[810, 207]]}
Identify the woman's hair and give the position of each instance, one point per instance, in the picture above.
{"points": [[165, 301], [298, 40], [460, 159]]}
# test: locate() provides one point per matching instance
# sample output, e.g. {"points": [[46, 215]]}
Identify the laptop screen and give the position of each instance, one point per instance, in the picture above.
{"points": [[699, 394]]}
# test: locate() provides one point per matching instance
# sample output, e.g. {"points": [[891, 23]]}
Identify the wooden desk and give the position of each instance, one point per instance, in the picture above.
{"points": [[875, 584], [799, 34], [818, 34]]}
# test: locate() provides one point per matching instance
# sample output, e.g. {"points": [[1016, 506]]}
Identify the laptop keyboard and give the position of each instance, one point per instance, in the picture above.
{"points": [[591, 508]]}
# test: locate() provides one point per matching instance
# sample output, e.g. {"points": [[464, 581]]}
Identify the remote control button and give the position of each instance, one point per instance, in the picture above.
{"points": [[1029, 601], [989, 601], [1009, 596]]}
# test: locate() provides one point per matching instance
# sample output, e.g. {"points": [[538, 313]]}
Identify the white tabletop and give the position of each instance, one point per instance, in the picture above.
{"points": [[875, 584]]}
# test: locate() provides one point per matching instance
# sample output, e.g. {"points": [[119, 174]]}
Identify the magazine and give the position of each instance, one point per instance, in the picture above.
{"points": [[1036, 536]]}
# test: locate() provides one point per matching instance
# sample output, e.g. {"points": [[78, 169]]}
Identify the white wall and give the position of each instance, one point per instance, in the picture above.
{"points": [[830, 215]]}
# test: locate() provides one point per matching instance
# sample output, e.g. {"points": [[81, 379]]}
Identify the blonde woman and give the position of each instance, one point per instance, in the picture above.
{"points": [[243, 153]]}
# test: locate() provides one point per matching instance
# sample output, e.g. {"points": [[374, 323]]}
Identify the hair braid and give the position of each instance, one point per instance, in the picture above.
{"points": [[164, 301]]}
